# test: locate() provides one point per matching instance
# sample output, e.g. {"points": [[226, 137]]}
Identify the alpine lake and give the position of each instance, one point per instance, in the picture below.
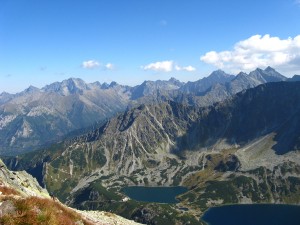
{"points": [[254, 214], [240, 214], [154, 194]]}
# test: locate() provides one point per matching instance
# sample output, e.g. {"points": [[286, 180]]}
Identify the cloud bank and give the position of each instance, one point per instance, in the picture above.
{"points": [[167, 66], [258, 51]]}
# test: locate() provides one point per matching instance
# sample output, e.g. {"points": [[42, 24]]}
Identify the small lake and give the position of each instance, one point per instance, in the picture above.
{"points": [[257, 214], [154, 194]]}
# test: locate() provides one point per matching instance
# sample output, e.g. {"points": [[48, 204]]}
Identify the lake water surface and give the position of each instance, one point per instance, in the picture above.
{"points": [[257, 214], [154, 194]]}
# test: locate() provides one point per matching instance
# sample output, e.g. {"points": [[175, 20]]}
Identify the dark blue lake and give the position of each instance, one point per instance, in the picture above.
{"points": [[154, 194], [257, 214]]}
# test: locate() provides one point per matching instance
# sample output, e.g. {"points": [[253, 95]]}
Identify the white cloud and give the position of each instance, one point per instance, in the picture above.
{"points": [[258, 51], [109, 66], [185, 68], [167, 66], [164, 66], [90, 64]]}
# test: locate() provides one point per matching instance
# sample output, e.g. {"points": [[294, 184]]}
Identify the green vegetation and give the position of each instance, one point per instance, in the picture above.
{"points": [[181, 173], [96, 197]]}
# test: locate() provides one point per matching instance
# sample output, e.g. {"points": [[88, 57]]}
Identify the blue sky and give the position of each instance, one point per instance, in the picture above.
{"points": [[42, 41]]}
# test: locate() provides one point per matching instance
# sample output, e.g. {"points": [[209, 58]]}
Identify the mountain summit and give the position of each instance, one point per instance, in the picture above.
{"points": [[67, 87], [202, 85]]}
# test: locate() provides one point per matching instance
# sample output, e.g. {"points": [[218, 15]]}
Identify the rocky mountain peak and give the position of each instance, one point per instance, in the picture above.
{"points": [[175, 82], [219, 74], [67, 87], [104, 85], [270, 69], [113, 84], [201, 86], [31, 89], [148, 87], [267, 75], [295, 78], [5, 97], [96, 84], [241, 74]]}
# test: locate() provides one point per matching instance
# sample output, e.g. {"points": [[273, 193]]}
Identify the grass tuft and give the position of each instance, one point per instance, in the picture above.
{"points": [[41, 211]]}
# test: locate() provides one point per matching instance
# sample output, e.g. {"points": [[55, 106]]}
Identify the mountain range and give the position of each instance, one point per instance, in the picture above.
{"points": [[37, 117], [243, 149]]}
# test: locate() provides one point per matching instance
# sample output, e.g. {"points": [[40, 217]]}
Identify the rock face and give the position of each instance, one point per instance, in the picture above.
{"points": [[21, 182], [105, 218], [37, 117]]}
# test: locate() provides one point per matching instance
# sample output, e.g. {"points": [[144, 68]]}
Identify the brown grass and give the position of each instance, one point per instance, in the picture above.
{"points": [[8, 191], [40, 211]]}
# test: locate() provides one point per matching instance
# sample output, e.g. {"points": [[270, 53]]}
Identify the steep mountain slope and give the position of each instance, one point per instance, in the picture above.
{"points": [[155, 138], [23, 201], [20, 182]]}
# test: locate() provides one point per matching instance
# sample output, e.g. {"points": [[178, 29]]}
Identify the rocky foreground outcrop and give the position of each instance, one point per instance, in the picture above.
{"points": [[23, 201]]}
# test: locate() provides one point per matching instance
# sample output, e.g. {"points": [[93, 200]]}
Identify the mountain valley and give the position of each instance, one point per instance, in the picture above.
{"points": [[236, 141]]}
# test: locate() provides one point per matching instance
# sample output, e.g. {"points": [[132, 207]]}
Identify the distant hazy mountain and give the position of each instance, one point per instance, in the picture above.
{"points": [[201, 86], [244, 81], [67, 87], [5, 97], [151, 87], [220, 86], [294, 78], [35, 117]]}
